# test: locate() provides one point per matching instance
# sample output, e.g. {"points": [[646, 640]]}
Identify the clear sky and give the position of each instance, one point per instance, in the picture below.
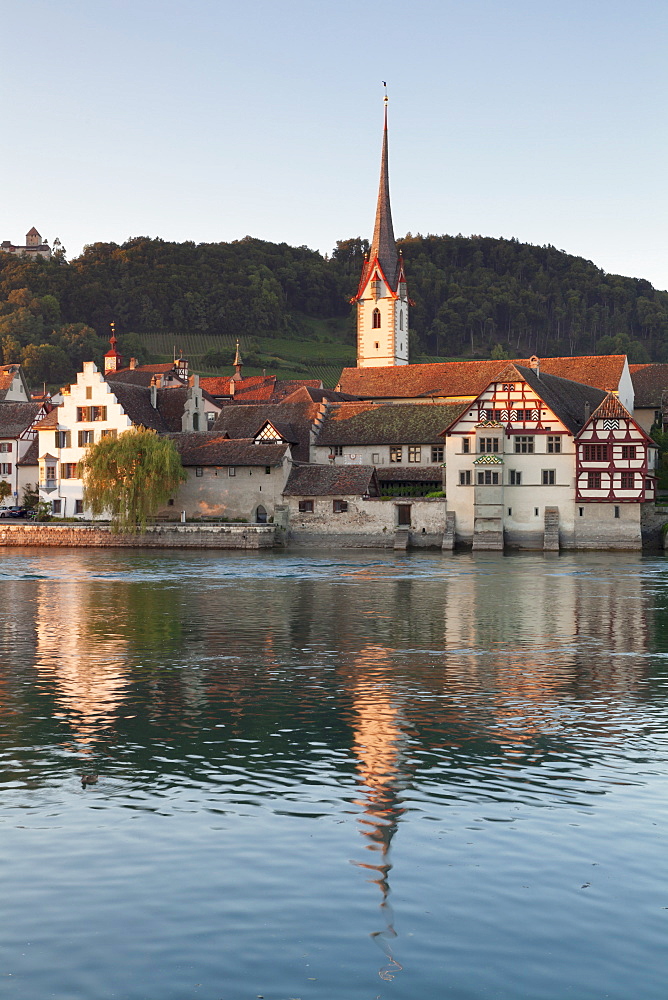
{"points": [[210, 120]]}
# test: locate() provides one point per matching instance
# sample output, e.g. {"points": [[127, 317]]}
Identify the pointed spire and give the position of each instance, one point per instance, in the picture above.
{"points": [[238, 364], [383, 246]]}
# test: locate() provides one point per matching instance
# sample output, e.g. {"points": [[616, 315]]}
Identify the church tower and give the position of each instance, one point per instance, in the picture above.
{"points": [[382, 299]]}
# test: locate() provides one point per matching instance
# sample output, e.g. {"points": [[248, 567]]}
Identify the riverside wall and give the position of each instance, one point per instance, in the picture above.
{"points": [[169, 536]]}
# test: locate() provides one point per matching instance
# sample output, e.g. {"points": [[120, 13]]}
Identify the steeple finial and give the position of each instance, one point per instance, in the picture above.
{"points": [[238, 364], [383, 246]]}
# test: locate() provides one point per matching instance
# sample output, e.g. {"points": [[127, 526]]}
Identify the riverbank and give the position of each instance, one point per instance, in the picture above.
{"points": [[165, 536]]}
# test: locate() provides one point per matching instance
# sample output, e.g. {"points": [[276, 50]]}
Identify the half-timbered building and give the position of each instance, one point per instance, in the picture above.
{"points": [[519, 459]]}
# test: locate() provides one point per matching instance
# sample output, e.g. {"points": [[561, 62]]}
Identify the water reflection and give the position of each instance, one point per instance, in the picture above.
{"points": [[272, 693]]}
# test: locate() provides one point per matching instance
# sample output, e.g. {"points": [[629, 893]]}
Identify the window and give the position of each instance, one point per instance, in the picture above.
{"points": [[170, 503], [210, 419], [492, 414], [515, 478], [231, 471], [85, 437], [376, 344], [524, 445], [62, 439], [488, 445], [86, 414], [648, 484], [89, 392], [199, 471], [340, 506], [595, 452], [375, 322], [50, 472], [536, 512], [437, 453], [305, 506], [508, 387], [337, 449], [521, 414], [395, 454], [549, 477], [5, 468], [401, 320], [628, 480], [83, 413], [404, 514], [78, 506], [68, 470], [488, 478], [593, 480], [375, 458], [465, 478], [466, 446], [581, 511], [267, 470], [414, 453], [5, 447], [56, 506], [628, 452], [195, 421], [108, 432], [553, 444], [616, 511]]}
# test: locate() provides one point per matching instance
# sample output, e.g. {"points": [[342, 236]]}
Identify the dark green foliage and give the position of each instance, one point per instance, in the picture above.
{"points": [[474, 296], [30, 496]]}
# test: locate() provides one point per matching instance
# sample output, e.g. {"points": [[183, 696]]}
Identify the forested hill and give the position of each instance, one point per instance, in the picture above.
{"points": [[473, 296]]}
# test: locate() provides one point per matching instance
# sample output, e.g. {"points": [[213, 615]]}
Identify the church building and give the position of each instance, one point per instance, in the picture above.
{"points": [[382, 298]]}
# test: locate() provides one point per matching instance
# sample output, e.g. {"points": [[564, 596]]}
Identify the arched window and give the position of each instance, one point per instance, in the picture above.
{"points": [[195, 421], [261, 515], [376, 319], [401, 320]]}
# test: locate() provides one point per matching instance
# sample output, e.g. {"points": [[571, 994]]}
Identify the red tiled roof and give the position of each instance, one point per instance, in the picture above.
{"points": [[649, 383], [469, 378], [611, 408]]}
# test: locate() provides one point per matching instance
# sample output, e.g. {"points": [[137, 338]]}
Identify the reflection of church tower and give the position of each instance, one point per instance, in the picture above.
{"points": [[380, 746], [382, 301]]}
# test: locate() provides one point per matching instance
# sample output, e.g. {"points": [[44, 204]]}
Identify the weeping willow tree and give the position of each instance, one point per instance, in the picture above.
{"points": [[130, 477]]}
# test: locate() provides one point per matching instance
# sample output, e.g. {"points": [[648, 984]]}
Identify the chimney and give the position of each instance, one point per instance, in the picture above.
{"points": [[154, 396], [231, 389], [133, 363], [587, 410], [535, 364]]}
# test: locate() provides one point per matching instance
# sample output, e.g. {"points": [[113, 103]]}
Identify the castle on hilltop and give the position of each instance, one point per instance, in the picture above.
{"points": [[34, 246]]}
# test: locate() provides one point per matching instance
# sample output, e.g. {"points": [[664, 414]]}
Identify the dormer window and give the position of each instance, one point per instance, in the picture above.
{"points": [[376, 319]]}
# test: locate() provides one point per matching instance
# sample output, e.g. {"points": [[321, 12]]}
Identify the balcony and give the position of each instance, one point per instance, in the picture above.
{"points": [[48, 485]]}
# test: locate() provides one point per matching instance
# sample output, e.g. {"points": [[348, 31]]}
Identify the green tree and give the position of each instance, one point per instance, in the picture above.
{"points": [[46, 363], [130, 477], [5, 490]]}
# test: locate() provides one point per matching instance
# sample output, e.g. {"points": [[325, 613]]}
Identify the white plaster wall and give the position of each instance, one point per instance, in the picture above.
{"points": [[71, 490], [625, 390], [364, 454]]}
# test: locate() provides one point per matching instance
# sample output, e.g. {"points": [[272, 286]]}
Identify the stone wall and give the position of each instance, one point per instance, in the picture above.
{"points": [[368, 522], [172, 536]]}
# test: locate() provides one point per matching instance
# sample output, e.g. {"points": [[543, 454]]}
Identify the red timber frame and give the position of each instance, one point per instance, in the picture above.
{"points": [[502, 404], [609, 467]]}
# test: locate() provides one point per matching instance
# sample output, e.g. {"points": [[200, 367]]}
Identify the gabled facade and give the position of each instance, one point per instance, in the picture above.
{"points": [[17, 433], [382, 298], [13, 387], [615, 458]]}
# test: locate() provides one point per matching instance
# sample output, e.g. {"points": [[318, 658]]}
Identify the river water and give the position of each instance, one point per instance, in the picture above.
{"points": [[345, 776]]}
